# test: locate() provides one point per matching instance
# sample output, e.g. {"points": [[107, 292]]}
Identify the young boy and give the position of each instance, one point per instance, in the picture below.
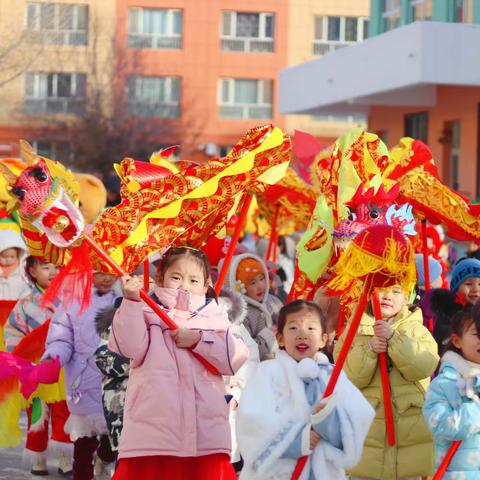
{"points": [[248, 275], [412, 358]]}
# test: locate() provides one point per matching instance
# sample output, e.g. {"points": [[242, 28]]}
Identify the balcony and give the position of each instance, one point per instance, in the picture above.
{"points": [[144, 40], [56, 37], [241, 112], [55, 105], [322, 47], [257, 45], [159, 110]]}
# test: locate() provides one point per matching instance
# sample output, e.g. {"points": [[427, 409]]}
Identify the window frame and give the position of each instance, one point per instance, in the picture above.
{"points": [[390, 14], [156, 37], [136, 102], [333, 45], [247, 44], [51, 36], [245, 107], [424, 115]]}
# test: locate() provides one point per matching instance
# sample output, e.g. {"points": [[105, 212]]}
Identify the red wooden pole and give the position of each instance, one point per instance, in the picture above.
{"points": [[146, 275], [446, 460], [426, 268], [382, 359], [144, 296], [352, 331], [273, 232], [233, 243]]}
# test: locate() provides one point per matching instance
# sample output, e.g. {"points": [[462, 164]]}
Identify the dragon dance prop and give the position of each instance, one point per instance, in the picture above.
{"points": [[158, 208], [360, 183], [29, 350], [378, 257]]}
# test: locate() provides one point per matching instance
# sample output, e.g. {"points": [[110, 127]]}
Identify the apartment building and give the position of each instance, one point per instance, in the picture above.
{"points": [[198, 72], [417, 75]]}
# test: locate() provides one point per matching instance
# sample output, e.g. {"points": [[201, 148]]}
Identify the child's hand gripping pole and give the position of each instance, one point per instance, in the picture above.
{"points": [[342, 356], [145, 297], [382, 359]]}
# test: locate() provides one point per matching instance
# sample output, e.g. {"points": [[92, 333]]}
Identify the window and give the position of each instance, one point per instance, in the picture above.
{"points": [[58, 24], [154, 28], [245, 98], [55, 150], [457, 10], [390, 14], [332, 33], [357, 119], [247, 32], [421, 9], [416, 126], [55, 92], [154, 96]]}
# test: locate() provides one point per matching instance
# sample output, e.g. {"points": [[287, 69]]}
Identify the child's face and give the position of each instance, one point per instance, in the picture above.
{"points": [[470, 289], [469, 343], [302, 335], [8, 257], [392, 300], [256, 287], [43, 273], [186, 274], [103, 282]]}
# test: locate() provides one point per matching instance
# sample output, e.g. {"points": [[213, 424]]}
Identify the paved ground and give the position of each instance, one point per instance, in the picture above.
{"points": [[12, 468]]}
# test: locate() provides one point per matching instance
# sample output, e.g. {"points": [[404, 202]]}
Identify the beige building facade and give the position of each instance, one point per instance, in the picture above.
{"points": [[316, 28]]}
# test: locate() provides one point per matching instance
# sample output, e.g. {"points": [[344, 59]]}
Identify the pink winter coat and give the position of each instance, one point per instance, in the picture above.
{"points": [[174, 406]]}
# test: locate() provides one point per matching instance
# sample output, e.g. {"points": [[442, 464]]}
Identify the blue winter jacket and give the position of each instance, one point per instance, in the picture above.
{"points": [[452, 412]]}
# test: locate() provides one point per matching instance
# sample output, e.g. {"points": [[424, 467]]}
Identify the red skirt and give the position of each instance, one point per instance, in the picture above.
{"points": [[207, 467]]}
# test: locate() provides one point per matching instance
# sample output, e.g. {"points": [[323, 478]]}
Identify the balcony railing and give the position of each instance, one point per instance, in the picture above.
{"points": [[56, 37], [145, 40], [160, 110], [322, 47], [246, 111], [55, 105], [247, 45]]}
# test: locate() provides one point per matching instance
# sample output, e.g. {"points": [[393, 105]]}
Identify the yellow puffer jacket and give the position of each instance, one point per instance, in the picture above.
{"points": [[412, 358]]}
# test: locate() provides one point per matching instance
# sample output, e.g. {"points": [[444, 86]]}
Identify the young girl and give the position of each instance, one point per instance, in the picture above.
{"points": [[452, 407], [13, 283], [176, 415], [412, 358], [27, 315], [73, 337], [282, 417]]}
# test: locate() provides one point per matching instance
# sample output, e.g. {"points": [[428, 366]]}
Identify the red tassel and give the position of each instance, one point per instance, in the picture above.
{"points": [[74, 281]]}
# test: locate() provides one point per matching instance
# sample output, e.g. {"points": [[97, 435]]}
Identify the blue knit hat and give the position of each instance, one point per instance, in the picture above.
{"points": [[434, 268], [468, 268]]}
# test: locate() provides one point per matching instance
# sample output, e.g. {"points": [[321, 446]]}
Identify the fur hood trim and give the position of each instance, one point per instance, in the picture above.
{"points": [[234, 304], [104, 319]]}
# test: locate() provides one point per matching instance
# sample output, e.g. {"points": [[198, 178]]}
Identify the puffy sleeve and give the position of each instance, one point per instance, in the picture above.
{"points": [[361, 363], [446, 421], [60, 338], [129, 335], [266, 426], [413, 350]]}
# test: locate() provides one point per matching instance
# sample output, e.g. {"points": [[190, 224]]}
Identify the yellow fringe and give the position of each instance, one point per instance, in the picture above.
{"points": [[396, 263]]}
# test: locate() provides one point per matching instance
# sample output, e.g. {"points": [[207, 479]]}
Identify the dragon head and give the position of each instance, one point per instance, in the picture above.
{"points": [[46, 197]]}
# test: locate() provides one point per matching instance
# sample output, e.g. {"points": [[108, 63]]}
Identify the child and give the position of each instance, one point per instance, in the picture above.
{"points": [[13, 283], [412, 358], [26, 316], [282, 417], [115, 370], [72, 337], [465, 279], [248, 275], [452, 407], [176, 416]]}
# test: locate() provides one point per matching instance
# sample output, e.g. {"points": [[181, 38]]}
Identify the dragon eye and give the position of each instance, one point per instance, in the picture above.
{"points": [[352, 216], [39, 175], [374, 213], [19, 193]]}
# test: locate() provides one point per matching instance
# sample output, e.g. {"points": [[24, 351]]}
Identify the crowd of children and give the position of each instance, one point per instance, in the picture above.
{"points": [[140, 401]]}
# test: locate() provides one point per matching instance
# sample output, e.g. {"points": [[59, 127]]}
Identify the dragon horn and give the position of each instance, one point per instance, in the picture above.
{"points": [[9, 176], [28, 153]]}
